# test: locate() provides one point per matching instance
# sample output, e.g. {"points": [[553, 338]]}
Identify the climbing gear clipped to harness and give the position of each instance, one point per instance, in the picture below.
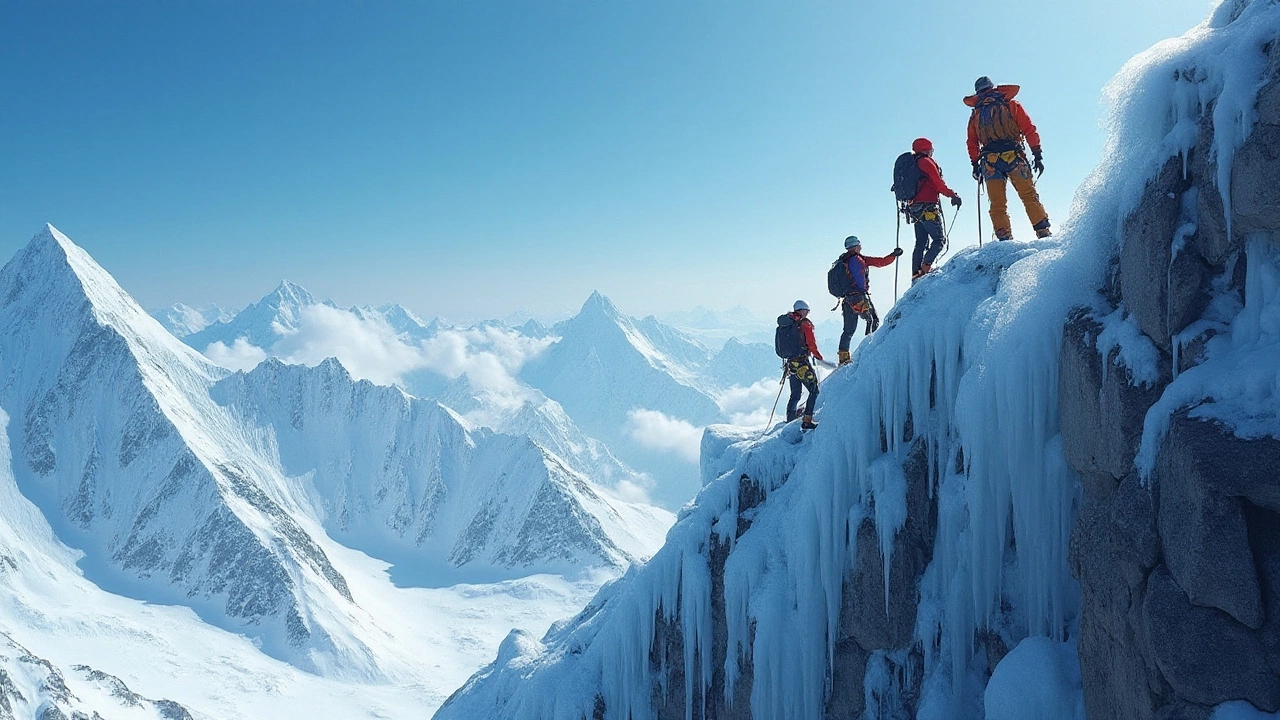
{"points": [[907, 177], [787, 340]]}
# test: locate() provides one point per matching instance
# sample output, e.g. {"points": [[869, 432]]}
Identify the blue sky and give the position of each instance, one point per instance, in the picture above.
{"points": [[471, 158]]}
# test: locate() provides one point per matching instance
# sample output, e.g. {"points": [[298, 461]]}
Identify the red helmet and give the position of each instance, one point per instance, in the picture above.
{"points": [[921, 145]]}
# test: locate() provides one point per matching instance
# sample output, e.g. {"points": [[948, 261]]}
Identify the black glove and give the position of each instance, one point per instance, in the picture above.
{"points": [[977, 169], [896, 252], [955, 201], [1037, 162]]}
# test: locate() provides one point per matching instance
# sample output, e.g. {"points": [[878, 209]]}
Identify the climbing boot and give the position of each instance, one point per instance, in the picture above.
{"points": [[925, 269], [1042, 229], [844, 357], [807, 423]]}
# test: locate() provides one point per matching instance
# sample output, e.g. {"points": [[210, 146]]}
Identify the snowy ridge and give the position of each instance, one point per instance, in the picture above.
{"points": [[182, 320], [132, 461], [262, 322], [606, 366], [405, 479], [965, 369]]}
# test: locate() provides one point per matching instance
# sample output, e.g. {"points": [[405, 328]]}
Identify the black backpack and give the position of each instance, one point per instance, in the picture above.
{"points": [[906, 177], [839, 281], [786, 339]]}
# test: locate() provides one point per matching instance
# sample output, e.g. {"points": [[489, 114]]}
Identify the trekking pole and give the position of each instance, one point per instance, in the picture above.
{"points": [[897, 245], [781, 382]]}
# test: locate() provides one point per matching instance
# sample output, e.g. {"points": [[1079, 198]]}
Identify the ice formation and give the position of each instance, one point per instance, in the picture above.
{"points": [[967, 364]]}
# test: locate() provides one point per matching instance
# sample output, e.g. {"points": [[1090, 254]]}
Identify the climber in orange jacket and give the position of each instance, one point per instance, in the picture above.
{"points": [[998, 127]]}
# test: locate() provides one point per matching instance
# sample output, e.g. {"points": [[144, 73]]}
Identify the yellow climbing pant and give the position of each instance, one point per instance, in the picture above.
{"points": [[1012, 166]]}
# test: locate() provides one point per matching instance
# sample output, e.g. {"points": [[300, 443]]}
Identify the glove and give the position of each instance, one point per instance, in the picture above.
{"points": [[896, 252], [1037, 162], [955, 201], [977, 169]]}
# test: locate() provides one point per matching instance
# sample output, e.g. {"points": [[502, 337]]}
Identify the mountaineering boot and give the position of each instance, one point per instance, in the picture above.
{"points": [[1042, 229], [925, 269], [844, 357], [807, 423]]}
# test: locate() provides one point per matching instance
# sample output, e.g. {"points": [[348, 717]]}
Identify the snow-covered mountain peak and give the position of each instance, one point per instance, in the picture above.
{"points": [[56, 288], [289, 293], [597, 305]]}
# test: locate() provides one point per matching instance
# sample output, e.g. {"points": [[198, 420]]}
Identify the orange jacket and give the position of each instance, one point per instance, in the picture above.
{"points": [[1025, 128]]}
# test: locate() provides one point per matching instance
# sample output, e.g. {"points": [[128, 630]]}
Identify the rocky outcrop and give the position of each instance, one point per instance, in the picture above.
{"points": [[1178, 571]]}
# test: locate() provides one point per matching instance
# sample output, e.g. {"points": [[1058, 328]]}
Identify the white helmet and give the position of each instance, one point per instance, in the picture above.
{"points": [[852, 241], [800, 305]]}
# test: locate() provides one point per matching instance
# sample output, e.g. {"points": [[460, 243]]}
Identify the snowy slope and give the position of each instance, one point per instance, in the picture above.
{"points": [[222, 505], [405, 480], [69, 628], [541, 419], [748, 606], [121, 446], [605, 366], [262, 322]]}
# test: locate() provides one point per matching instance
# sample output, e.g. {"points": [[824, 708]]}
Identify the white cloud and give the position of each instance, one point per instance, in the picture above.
{"points": [[368, 348], [750, 406], [240, 356], [660, 431]]}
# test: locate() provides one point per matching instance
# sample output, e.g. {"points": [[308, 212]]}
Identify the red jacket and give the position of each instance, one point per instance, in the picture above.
{"points": [[933, 184], [1025, 127], [806, 330]]}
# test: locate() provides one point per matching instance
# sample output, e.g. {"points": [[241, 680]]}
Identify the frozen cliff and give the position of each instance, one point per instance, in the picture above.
{"points": [[1046, 485]]}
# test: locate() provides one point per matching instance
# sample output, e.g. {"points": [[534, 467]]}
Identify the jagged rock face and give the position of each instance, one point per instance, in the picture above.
{"points": [[110, 431], [31, 686], [1178, 572]]}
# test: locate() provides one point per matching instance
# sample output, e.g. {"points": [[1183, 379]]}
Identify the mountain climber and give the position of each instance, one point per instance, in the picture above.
{"points": [[794, 341], [925, 210], [998, 127], [855, 296]]}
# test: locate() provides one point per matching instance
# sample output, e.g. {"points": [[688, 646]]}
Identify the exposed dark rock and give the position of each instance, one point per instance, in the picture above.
{"points": [[863, 614], [1101, 417], [1211, 455], [1117, 670], [1206, 544], [1255, 168], [1206, 656], [847, 698], [1145, 259]]}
